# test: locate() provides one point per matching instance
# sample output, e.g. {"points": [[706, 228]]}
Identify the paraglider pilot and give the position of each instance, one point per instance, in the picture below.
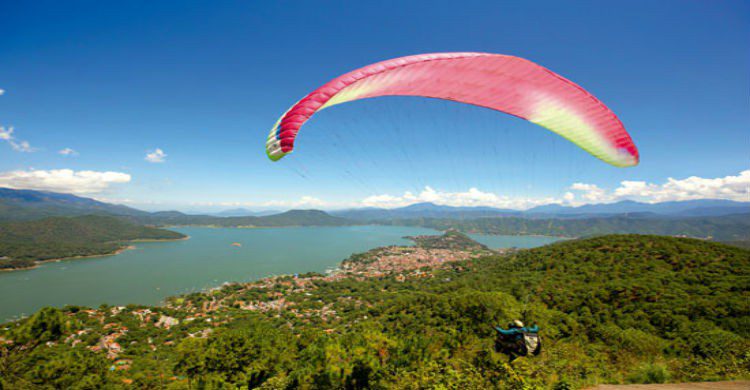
{"points": [[518, 340]]}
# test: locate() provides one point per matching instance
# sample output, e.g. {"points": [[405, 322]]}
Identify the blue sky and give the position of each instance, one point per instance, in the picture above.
{"points": [[203, 82]]}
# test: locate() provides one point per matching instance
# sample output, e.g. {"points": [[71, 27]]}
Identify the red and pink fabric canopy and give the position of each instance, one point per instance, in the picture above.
{"points": [[504, 83]]}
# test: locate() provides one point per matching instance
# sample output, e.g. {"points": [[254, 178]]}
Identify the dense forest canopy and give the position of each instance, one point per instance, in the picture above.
{"points": [[727, 228], [30, 204], [612, 309], [24, 242], [288, 218]]}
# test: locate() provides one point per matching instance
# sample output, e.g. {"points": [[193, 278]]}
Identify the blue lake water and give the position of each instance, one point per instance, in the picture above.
{"points": [[155, 270]]}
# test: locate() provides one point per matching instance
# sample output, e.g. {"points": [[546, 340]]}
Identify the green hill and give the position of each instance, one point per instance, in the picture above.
{"points": [[450, 240], [29, 204], [24, 205], [612, 309], [288, 218], [734, 227], [24, 242]]}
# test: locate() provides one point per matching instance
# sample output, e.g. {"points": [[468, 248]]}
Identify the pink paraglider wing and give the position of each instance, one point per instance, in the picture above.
{"points": [[503, 83]]}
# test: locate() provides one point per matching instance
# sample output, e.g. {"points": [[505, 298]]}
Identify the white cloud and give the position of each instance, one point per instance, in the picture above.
{"points": [[735, 188], [302, 202], [156, 156], [591, 192], [62, 180], [694, 187], [6, 134], [22, 146], [68, 152], [471, 198], [2, 92]]}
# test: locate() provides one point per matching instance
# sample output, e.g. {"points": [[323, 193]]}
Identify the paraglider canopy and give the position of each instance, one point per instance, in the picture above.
{"points": [[504, 83]]}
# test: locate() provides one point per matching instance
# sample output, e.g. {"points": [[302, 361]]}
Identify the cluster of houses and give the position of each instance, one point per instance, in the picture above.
{"points": [[108, 343], [398, 260], [273, 295], [403, 262]]}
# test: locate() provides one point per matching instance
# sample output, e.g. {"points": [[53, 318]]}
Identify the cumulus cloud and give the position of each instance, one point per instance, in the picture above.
{"points": [[733, 187], [2, 92], [6, 134], [694, 187], [22, 146], [302, 202], [68, 152], [62, 180], [156, 156], [590, 192], [471, 198]]}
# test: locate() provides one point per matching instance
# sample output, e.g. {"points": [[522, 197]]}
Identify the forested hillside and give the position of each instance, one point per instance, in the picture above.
{"points": [[29, 204], [612, 309], [288, 218], [24, 242], [726, 228]]}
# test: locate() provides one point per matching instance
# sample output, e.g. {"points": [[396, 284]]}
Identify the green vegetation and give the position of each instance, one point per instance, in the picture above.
{"points": [[22, 243], [23, 205], [29, 204], [742, 244], [726, 228], [450, 240], [612, 309], [289, 218]]}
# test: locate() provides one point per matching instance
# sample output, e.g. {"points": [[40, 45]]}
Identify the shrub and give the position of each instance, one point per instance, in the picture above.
{"points": [[649, 373]]}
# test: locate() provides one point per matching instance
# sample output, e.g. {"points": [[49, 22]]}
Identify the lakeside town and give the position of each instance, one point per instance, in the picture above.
{"points": [[443, 281], [114, 331]]}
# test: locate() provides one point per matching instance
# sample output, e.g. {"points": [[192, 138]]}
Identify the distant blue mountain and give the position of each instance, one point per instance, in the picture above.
{"points": [[690, 208], [424, 210], [29, 204], [240, 212], [687, 208]]}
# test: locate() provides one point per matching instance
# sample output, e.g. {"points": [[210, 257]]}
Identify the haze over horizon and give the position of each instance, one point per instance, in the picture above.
{"points": [[91, 104]]}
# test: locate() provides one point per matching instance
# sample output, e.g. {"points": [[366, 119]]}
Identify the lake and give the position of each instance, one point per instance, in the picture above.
{"points": [[155, 270]]}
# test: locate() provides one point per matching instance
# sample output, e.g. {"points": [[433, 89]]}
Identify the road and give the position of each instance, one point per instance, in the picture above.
{"points": [[733, 385]]}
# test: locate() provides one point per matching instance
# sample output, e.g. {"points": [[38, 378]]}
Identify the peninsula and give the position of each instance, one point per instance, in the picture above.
{"points": [[24, 244]]}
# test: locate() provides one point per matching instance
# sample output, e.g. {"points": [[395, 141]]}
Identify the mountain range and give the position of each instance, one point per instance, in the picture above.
{"points": [[688, 208], [287, 218], [29, 204], [242, 212], [22, 205]]}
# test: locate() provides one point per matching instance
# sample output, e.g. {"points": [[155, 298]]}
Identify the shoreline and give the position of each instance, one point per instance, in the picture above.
{"points": [[366, 224], [118, 251]]}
